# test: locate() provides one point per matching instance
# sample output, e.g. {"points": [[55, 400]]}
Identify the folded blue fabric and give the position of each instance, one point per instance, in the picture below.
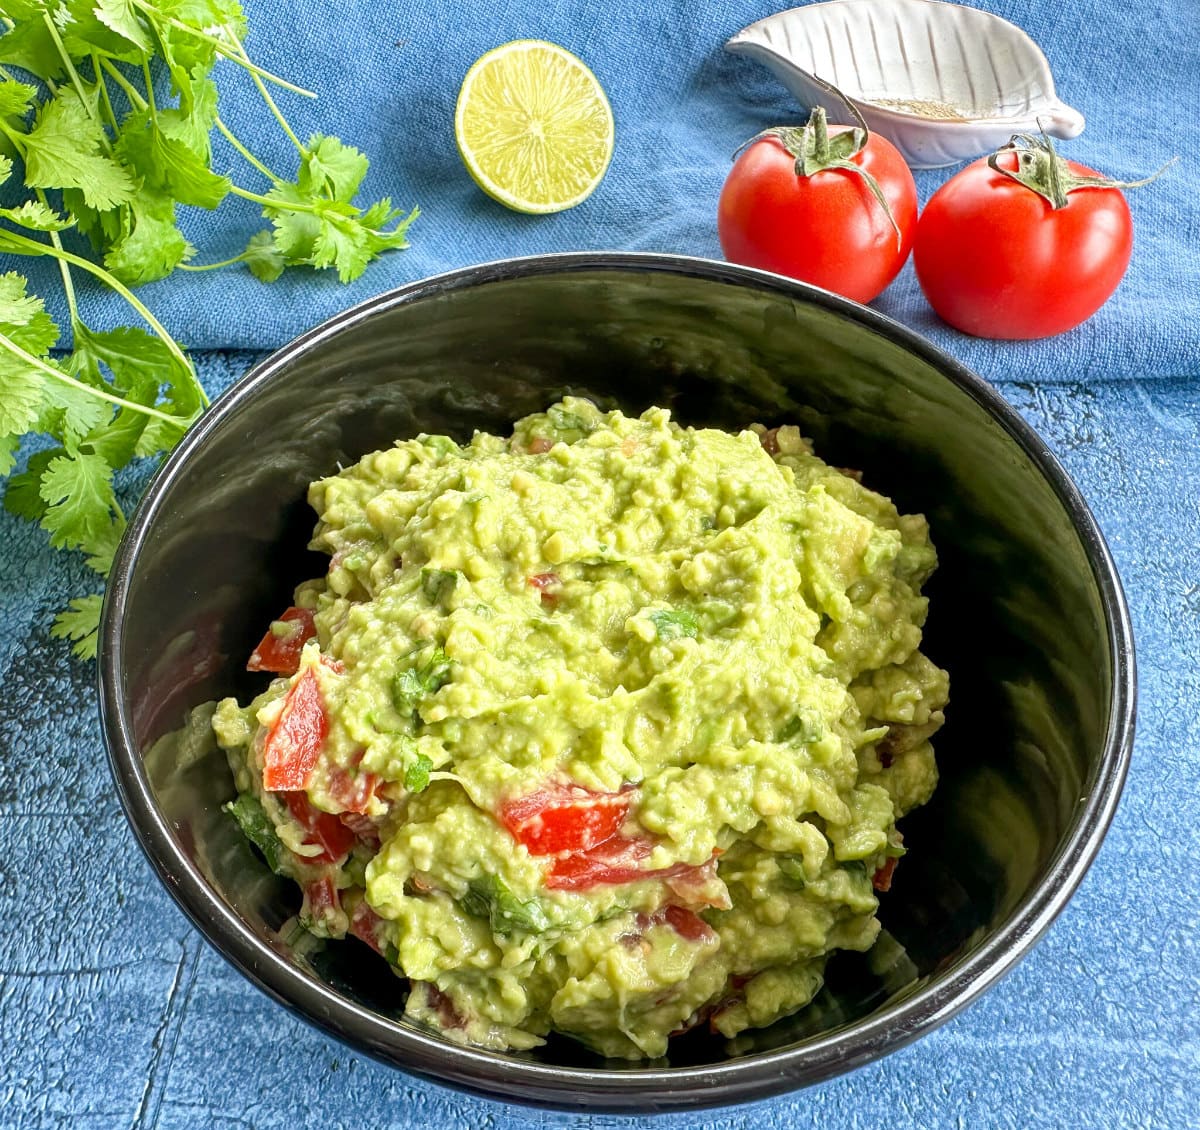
{"points": [[388, 77]]}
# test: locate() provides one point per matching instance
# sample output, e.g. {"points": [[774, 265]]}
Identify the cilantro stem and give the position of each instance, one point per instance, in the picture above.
{"points": [[58, 375], [211, 266], [149, 80], [72, 73], [228, 134], [136, 101], [278, 205], [106, 101], [266, 95], [222, 48], [19, 245], [63, 268]]}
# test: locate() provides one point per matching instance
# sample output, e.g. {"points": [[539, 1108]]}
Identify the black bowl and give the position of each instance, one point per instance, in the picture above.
{"points": [[1027, 613]]}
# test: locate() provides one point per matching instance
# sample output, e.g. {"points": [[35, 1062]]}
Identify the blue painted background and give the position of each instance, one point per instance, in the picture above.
{"points": [[113, 1013]]}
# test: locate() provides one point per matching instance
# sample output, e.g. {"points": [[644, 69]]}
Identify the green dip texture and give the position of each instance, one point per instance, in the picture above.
{"points": [[603, 728]]}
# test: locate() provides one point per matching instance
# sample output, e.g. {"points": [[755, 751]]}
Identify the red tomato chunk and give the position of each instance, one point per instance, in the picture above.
{"points": [[294, 742], [280, 653], [565, 818], [324, 830]]}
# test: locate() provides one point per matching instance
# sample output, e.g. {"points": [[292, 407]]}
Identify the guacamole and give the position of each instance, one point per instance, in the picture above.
{"points": [[603, 728]]}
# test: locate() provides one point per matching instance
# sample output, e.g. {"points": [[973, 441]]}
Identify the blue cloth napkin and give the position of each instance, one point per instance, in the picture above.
{"points": [[388, 77]]}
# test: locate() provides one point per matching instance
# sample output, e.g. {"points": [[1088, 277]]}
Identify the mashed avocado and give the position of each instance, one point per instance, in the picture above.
{"points": [[603, 728]]}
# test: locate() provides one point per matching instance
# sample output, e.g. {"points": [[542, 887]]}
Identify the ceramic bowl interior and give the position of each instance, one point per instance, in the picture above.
{"points": [[1026, 613]]}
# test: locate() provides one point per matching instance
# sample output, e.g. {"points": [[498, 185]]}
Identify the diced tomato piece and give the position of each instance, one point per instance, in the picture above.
{"points": [[611, 863], [324, 829], [548, 584], [539, 445], [295, 741], [363, 828], [321, 895], [352, 791], [687, 924], [281, 653], [367, 926], [562, 818], [882, 879]]}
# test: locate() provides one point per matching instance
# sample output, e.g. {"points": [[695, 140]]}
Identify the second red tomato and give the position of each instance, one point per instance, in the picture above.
{"points": [[826, 228]]}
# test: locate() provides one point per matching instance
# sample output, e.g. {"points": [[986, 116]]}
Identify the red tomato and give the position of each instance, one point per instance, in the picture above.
{"points": [[320, 898], [367, 926], [324, 829], [281, 653], [996, 259], [562, 818], [826, 228], [294, 743], [609, 864]]}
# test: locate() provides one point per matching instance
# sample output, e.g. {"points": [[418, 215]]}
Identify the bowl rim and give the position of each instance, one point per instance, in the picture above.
{"points": [[647, 1090]]}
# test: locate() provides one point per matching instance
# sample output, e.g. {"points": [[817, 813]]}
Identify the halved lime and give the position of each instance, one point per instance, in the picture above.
{"points": [[533, 126]]}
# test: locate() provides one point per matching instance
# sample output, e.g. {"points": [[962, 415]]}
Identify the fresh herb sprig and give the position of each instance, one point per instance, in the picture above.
{"points": [[111, 137]]}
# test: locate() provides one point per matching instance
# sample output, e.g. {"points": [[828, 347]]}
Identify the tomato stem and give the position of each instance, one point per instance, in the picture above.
{"points": [[815, 151], [1040, 169]]}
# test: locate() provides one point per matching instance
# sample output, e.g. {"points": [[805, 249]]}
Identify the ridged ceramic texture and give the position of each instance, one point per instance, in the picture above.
{"points": [[943, 82]]}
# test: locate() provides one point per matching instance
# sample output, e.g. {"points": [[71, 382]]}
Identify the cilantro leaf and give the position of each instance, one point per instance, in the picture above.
{"points": [[25, 325], [28, 44], [341, 243], [102, 27], [674, 624], [331, 169], [80, 622], [192, 122], [101, 227], [37, 216], [140, 364], [416, 776], [23, 317], [412, 684], [264, 259], [256, 826], [167, 164], [79, 492], [16, 98], [438, 584], [20, 395], [22, 492], [150, 245], [490, 897], [71, 412], [62, 150], [8, 452], [122, 16], [103, 549]]}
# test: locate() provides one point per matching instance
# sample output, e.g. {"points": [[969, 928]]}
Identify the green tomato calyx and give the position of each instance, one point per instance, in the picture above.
{"points": [[1040, 169], [815, 150]]}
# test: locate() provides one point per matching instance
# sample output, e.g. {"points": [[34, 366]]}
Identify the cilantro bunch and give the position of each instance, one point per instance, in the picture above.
{"points": [[107, 109]]}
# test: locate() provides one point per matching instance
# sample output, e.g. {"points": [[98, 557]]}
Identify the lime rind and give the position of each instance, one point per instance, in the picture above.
{"points": [[534, 127]]}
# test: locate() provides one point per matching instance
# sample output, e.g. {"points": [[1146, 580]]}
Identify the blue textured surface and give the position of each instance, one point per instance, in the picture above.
{"points": [[114, 1013], [388, 76]]}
